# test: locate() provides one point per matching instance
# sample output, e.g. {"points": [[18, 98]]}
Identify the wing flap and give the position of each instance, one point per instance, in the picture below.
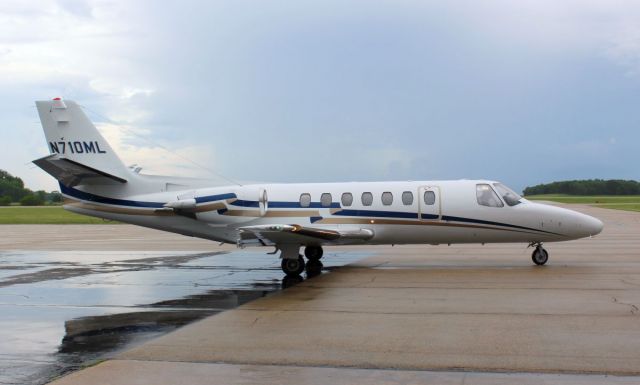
{"points": [[71, 173]]}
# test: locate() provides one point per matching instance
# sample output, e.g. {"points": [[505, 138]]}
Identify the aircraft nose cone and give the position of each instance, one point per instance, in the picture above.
{"points": [[594, 226], [589, 226]]}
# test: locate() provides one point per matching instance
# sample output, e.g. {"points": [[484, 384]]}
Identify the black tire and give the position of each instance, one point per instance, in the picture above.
{"points": [[314, 268], [539, 256], [291, 280], [293, 266], [313, 253]]}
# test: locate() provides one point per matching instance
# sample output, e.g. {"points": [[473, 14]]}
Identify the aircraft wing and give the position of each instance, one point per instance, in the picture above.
{"points": [[271, 235], [72, 173]]}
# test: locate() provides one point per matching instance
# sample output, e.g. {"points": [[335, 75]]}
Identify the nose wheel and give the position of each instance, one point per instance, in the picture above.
{"points": [[540, 256]]}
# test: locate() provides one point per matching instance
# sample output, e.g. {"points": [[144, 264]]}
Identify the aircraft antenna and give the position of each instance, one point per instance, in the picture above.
{"points": [[130, 132]]}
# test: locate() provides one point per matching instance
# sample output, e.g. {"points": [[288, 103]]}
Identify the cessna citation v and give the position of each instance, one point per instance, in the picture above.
{"points": [[95, 182]]}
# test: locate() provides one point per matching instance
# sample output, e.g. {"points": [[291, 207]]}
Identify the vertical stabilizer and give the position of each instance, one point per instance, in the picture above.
{"points": [[72, 136]]}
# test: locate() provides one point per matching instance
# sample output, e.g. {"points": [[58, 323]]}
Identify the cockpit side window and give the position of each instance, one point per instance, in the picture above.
{"points": [[486, 196], [510, 197]]}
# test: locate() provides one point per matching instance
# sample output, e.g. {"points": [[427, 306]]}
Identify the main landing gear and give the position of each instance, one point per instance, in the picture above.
{"points": [[293, 266], [313, 254], [540, 256]]}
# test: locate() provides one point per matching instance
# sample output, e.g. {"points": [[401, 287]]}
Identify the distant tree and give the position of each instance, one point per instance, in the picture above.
{"points": [[587, 187], [41, 194], [5, 200], [12, 186], [31, 200], [54, 197]]}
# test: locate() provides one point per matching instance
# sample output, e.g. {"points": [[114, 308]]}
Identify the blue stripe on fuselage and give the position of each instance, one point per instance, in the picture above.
{"points": [[213, 198], [483, 222], [376, 213], [285, 205], [406, 215], [83, 195]]}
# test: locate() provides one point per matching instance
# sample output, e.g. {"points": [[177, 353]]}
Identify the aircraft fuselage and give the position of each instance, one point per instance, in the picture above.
{"points": [[452, 213]]}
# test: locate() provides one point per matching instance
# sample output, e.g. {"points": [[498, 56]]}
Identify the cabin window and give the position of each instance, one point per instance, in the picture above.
{"points": [[305, 200], [387, 198], [511, 197], [367, 199], [429, 198], [407, 198], [347, 199], [325, 200], [487, 197]]}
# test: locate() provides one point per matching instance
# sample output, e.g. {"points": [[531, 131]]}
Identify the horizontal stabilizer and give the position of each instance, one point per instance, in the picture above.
{"points": [[71, 173]]}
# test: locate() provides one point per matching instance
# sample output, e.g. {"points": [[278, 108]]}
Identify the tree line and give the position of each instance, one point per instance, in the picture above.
{"points": [[12, 191], [587, 187]]}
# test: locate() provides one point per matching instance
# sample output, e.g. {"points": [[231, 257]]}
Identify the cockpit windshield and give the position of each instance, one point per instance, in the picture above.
{"points": [[510, 197]]}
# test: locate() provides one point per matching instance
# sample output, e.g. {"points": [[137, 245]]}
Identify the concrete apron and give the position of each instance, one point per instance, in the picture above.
{"points": [[440, 309]]}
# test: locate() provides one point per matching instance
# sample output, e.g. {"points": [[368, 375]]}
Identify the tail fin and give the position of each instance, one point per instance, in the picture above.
{"points": [[71, 136]]}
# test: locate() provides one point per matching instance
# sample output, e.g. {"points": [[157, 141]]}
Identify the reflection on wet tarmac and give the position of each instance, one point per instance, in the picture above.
{"points": [[61, 311]]}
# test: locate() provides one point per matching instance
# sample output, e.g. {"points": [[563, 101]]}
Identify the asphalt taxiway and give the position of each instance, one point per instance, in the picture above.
{"points": [[423, 314]]}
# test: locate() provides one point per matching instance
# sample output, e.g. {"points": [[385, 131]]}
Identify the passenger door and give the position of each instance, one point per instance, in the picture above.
{"points": [[429, 203]]}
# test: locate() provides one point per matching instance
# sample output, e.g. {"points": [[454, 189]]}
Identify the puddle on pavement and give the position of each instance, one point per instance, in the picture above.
{"points": [[60, 311]]}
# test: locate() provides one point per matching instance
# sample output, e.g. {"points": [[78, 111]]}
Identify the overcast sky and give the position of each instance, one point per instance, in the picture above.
{"points": [[290, 91]]}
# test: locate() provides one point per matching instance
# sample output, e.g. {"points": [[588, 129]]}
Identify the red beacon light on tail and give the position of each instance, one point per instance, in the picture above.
{"points": [[58, 103]]}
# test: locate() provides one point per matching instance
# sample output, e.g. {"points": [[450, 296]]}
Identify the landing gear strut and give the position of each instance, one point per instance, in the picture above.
{"points": [[293, 266], [539, 255]]}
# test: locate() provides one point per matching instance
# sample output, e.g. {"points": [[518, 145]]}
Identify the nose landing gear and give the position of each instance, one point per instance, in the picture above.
{"points": [[540, 256]]}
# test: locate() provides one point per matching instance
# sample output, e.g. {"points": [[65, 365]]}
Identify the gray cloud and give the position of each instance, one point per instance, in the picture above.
{"points": [[324, 90]]}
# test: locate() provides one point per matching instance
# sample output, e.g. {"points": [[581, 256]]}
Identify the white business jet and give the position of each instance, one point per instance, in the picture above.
{"points": [[95, 182]]}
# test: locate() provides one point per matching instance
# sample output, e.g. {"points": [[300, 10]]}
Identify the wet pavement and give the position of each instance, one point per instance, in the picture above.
{"points": [[61, 311]]}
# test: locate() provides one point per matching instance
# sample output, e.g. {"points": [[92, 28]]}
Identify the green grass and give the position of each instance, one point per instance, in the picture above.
{"points": [[624, 206], [617, 202], [15, 215]]}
